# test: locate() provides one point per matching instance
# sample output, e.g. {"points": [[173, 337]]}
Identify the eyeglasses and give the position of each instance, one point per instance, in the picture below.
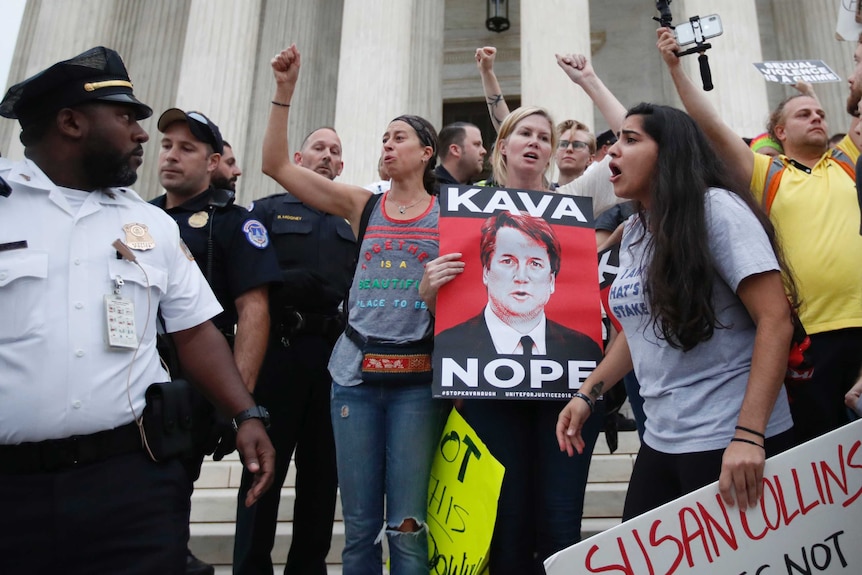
{"points": [[575, 144]]}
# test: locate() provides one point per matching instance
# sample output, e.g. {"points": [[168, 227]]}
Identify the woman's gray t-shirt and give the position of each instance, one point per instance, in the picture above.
{"points": [[692, 399], [384, 297]]}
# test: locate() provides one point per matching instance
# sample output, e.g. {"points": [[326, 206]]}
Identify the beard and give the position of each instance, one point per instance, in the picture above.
{"points": [[853, 100], [106, 167], [222, 183]]}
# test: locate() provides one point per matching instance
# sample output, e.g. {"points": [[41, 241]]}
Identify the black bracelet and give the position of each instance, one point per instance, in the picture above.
{"points": [[741, 440], [751, 431], [280, 104], [585, 398]]}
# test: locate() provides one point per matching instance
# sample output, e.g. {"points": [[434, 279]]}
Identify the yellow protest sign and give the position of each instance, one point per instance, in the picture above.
{"points": [[462, 501]]}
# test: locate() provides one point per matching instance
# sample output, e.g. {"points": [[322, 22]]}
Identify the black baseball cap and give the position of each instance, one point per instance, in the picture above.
{"points": [[606, 138], [97, 74], [200, 126]]}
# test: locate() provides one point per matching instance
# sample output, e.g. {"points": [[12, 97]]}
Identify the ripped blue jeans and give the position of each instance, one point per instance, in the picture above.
{"points": [[385, 437]]}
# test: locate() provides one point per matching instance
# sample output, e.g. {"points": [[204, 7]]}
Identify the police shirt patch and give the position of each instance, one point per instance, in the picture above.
{"points": [[256, 234], [185, 249]]}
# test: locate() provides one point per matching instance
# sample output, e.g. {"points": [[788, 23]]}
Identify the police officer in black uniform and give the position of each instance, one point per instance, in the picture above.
{"points": [[316, 253], [233, 251]]}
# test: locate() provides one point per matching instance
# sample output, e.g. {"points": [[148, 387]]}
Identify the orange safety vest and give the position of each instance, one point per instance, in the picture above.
{"points": [[776, 170]]}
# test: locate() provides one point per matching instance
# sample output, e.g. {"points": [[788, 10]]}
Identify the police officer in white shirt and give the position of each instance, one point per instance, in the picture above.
{"points": [[85, 265]]}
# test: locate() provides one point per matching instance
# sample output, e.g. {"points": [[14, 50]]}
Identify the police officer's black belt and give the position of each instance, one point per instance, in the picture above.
{"points": [[58, 454]]}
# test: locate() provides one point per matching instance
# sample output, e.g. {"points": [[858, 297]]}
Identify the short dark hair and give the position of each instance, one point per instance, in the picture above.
{"points": [[35, 132], [453, 133], [427, 137], [776, 117], [531, 226], [311, 133]]}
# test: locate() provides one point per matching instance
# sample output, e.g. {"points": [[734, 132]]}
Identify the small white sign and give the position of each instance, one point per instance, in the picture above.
{"points": [[792, 71]]}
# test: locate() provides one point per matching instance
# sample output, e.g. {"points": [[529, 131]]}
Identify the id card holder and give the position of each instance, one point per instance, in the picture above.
{"points": [[120, 319]]}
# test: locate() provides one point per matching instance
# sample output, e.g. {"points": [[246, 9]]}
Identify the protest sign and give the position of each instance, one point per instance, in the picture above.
{"points": [[809, 521], [462, 501], [792, 71], [609, 265], [535, 271]]}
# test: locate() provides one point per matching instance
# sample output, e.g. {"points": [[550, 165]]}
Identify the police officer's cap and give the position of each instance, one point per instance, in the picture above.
{"points": [[201, 127], [97, 74], [606, 138]]}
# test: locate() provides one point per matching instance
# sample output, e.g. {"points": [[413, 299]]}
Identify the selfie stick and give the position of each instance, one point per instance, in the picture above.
{"points": [[700, 47], [666, 19]]}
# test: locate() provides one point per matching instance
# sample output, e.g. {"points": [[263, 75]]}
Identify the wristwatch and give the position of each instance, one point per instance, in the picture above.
{"points": [[256, 412]]}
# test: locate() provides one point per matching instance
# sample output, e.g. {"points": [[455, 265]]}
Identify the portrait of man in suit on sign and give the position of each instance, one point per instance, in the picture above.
{"points": [[521, 257]]}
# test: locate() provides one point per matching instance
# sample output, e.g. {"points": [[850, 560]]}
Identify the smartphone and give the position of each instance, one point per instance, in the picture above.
{"points": [[710, 27]]}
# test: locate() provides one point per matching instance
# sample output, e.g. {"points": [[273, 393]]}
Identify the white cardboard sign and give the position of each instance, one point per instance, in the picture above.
{"points": [[808, 522], [792, 71]]}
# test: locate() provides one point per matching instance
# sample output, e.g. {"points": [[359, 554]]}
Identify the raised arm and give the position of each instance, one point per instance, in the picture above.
{"points": [[805, 89], [579, 69], [497, 108], [311, 188], [595, 183], [728, 144]]}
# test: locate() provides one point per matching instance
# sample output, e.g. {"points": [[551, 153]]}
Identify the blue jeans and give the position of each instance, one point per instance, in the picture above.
{"points": [[542, 498], [385, 438]]}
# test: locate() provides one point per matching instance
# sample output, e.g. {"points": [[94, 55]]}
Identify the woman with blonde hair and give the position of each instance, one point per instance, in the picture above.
{"points": [[542, 497]]}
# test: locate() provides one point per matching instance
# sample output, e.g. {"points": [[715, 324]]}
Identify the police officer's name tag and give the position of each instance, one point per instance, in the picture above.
{"points": [[120, 318]]}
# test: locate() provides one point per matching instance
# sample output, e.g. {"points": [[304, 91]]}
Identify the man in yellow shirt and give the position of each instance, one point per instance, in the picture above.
{"points": [[814, 208]]}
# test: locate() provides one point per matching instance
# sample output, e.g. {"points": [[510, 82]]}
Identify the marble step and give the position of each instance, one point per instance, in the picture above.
{"points": [[213, 542], [219, 505], [604, 466]]}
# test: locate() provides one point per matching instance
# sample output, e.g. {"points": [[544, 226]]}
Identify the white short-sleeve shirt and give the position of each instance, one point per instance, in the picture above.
{"points": [[58, 376]]}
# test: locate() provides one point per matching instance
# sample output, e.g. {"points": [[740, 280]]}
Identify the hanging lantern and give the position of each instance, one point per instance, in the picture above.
{"points": [[498, 16]]}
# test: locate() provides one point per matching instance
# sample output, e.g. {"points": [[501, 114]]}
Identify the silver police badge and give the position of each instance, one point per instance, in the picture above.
{"points": [[138, 237]]}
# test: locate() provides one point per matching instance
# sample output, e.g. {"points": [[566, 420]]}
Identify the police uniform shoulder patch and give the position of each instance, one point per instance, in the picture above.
{"points": [[255, 233], [185, 249]]}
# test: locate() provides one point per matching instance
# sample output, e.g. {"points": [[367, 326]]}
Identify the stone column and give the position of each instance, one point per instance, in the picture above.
{"points": [[740, 91], [315, 27], [624, 53], [550, 27], [148, 35], [804, 31], [218, 63], [53, 30], [390, 64]]}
